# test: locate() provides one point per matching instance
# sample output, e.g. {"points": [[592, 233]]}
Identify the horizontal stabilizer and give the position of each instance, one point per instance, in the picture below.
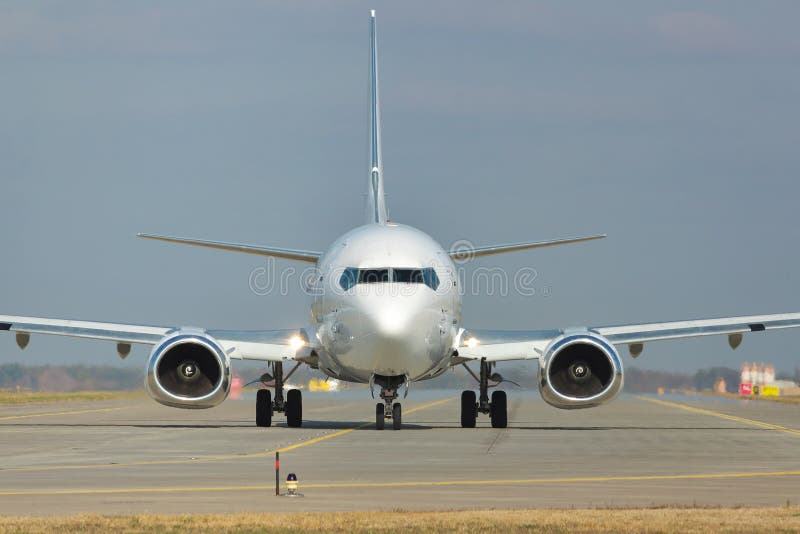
{"points": [[467, 253], [289, 254]]}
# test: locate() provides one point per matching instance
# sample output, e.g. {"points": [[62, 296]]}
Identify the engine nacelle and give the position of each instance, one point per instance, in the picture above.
{"points": [[580, 370], [188, 369]]}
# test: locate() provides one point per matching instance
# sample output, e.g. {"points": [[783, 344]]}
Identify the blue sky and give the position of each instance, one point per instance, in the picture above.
{"points": [[672, 126]]}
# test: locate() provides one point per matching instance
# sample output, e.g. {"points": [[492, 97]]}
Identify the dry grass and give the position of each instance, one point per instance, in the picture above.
{"points": [[784, 519], [783, 399], [26, 397]]}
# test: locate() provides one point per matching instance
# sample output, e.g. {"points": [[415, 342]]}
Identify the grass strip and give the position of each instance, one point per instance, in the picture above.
{"points": [[781, 399], [651, 520], [28, 397]]}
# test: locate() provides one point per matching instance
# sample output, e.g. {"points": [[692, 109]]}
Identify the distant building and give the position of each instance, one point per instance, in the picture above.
{"points": [[746, 376], [760, 379], [769, 374], [720, 386], [758, 374], [787, 387]]}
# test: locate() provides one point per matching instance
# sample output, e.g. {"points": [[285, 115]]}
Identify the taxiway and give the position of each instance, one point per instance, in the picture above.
{"points": [[137, 456]]}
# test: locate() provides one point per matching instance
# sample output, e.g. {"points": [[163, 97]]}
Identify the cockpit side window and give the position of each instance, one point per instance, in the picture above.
{"points": [[430, 278], [349, 278]]}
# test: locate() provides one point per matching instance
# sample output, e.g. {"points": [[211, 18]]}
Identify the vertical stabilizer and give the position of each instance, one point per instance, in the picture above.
{"points": [[376, 201]]}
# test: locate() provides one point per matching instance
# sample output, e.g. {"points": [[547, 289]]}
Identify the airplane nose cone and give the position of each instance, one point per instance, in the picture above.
{"points": [[395, 322], [398, 333], [388, 334]]}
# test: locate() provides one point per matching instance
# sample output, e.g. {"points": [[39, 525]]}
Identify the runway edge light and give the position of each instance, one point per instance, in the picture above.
{"points": [[291, 486]]}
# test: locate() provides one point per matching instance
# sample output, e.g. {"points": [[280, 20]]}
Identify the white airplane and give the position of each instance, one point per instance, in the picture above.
{"points": [[386, 311]]}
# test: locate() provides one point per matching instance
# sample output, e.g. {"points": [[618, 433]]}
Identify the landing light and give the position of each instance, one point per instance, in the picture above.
{"points": [[296, 343], [471, 343]]}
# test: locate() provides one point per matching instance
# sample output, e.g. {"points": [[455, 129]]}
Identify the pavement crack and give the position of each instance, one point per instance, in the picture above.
{"points": [[494, 441], [512, 413]]}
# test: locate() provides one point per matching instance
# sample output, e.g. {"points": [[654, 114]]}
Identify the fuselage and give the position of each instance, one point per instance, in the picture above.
{"points": [[386, 302]]}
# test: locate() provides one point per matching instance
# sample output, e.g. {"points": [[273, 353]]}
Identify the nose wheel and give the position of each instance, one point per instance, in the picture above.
{"points": [[380, 417], [388, 410], [397, 416]]}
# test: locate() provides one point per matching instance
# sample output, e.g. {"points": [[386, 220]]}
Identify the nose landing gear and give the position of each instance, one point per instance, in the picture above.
{"points": [[389, 409], [497, 408]]}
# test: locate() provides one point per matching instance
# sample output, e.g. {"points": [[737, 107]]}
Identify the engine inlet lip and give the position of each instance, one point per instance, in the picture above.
{"points": [[152, 373], [608, 352]]}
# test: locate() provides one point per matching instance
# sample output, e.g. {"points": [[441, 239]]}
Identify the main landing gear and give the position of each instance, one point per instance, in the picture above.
{"points": [[497, 408], [389, 409], [292, 406]]}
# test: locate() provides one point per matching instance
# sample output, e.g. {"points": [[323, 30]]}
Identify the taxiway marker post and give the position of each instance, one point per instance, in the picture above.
{"points": [[277, 474]]}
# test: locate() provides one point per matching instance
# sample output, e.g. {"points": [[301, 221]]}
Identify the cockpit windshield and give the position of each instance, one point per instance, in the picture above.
{"points": [[352, 276], [373, 276], [409, 276]]}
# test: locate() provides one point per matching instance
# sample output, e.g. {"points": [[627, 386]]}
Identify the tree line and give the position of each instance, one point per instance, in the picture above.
{"points": [[110, 378]]}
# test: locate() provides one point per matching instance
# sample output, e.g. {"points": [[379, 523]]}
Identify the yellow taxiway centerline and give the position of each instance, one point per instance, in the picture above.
{"points": [[355, 485], [306, 443], [753, 422], [340, 432]]}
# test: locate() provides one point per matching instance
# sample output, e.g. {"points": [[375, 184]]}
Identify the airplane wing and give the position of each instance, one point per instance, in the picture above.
{"points": [[467, 253], [501, 345], [263, 345], [285, 253]]}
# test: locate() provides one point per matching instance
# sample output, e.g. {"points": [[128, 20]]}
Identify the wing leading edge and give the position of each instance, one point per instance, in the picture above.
{"points": [[640, 333], [501, 345], [262, 345], [285, 253], [477, 252]]}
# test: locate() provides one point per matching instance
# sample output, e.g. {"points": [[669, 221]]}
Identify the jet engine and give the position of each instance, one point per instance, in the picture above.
{"points": [[580, 370], [188, 369]]}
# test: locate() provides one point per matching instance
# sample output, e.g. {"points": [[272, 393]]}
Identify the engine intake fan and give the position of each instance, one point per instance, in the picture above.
{"points": [[580, 371], [188, 369]]}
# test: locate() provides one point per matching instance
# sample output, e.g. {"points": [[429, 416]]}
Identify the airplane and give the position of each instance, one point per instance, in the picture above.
{"points": [[386, 311]]}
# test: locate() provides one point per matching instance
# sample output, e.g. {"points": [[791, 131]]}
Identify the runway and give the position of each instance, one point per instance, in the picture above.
{"points": [[137, 456]]}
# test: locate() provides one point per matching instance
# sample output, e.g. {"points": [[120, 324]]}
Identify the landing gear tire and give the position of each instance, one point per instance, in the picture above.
{"points": [[263, 407], [498, 409], [397, 416], [294, 408], [380, 419], [469, 410]]}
